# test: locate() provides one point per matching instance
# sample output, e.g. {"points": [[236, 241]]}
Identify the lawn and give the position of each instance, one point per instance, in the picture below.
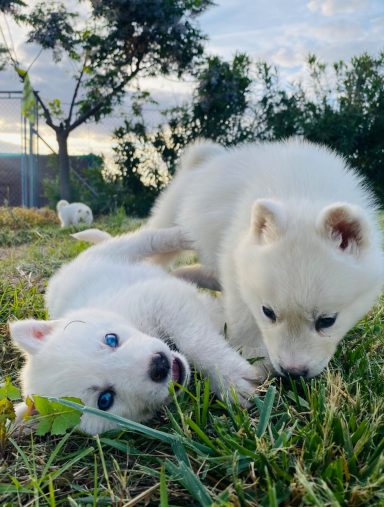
{"points": [[318, 443]]}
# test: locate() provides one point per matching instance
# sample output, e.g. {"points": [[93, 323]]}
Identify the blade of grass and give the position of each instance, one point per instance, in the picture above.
{"points": [[95, 481], [52, 500], [206, 396], [121, 421], [200, 433], [142, 496], [69, 464], [163, 489], [266, 411], [54, 453], [104, 468], [187, 477]]}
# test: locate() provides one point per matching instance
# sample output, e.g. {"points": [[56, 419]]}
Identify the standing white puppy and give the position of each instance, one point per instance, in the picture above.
{"points": [[73, 213], [292, 235], [116, 318]]}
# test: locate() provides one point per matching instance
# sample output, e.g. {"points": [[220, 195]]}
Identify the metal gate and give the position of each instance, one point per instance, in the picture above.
{"points": [[19, 172]]}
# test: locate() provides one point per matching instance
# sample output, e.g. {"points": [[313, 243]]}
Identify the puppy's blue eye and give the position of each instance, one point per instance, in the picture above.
{"points": [[324, 322], [112, 340], [268, 312], [105, 400]]}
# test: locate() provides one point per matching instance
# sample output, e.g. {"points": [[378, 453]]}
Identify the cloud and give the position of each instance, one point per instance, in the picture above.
{"points": [[289, 58], [335, 7], [377, 25], [337, 32]]}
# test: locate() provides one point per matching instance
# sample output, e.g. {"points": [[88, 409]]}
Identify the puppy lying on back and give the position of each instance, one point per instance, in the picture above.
{"points": [[73, 213], [115, 320]]}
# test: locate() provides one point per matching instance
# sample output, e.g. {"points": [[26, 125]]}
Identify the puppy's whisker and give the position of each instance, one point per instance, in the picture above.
{"points": [[73, 321]]}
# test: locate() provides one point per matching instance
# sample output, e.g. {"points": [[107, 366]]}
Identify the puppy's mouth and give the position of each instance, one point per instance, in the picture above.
{"points": [[178, 372]]}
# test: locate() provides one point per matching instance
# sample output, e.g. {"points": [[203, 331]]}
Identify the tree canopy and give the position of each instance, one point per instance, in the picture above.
{"points": [[341, 106], [120, 40]]}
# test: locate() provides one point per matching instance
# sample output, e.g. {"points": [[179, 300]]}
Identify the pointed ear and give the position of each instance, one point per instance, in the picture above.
{"points": [[268, 220], [30, 335], [346, 226]]}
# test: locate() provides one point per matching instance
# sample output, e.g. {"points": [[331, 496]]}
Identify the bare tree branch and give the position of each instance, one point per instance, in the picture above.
{"points": [[47, 114], [68, 120], [93, 110]]}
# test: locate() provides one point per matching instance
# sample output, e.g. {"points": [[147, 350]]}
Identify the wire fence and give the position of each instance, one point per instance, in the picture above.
{"points": [[19, 167], [28, 153], [24, 172]]}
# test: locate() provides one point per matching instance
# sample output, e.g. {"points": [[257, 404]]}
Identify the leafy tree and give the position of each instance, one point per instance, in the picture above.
{"points": [[277, 110], [142, 174], [217, 110], [221, 98], [147, 158], [121, 40], [342, 107], [11, 5]]}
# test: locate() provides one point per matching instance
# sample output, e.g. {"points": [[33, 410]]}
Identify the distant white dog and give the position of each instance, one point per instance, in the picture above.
{"points": [[73, 213], [291, 234], [116, 318]]}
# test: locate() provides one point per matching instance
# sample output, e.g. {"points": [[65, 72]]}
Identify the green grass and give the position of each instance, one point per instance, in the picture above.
{"points": [[302, 443]]}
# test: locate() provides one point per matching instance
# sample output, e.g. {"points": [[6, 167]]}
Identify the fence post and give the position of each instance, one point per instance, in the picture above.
{"points": [[23, 163]]}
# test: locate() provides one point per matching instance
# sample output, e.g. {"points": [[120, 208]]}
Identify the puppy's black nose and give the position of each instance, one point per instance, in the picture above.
{"points": [[294, 372], [159, 367]]}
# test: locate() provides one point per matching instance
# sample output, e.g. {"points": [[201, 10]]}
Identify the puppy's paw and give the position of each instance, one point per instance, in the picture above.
{"points": [[240, 381], [22, 425], [185, 241]]}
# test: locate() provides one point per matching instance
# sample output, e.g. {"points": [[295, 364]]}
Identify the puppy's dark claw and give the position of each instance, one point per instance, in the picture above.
{"points": [[254, 381]]}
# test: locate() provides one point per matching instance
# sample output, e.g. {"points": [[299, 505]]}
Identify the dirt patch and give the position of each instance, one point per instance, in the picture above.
{"points": [[12, 253]]}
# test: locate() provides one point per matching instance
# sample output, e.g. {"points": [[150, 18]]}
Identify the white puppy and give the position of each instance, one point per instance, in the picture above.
{"points": [[115, 319], [291, 234], [73, 213]]}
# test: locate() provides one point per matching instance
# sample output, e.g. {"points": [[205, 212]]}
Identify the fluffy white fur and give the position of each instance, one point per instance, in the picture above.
{"points": [[286, 226], [73, 213], [109, 288]]}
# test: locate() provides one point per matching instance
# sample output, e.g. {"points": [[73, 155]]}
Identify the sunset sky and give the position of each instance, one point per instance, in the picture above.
{"points": [[279, 31]]}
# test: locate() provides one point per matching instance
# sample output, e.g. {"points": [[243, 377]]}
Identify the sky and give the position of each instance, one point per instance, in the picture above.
{"points": [[282, 32]]}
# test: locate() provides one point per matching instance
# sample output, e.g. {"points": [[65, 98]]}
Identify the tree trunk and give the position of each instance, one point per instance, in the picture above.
{"points": [[62, 140]]}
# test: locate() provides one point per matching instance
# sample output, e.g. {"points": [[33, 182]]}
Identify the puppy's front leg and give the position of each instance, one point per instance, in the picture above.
{"points": [[227, 370], [178, 311]]}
